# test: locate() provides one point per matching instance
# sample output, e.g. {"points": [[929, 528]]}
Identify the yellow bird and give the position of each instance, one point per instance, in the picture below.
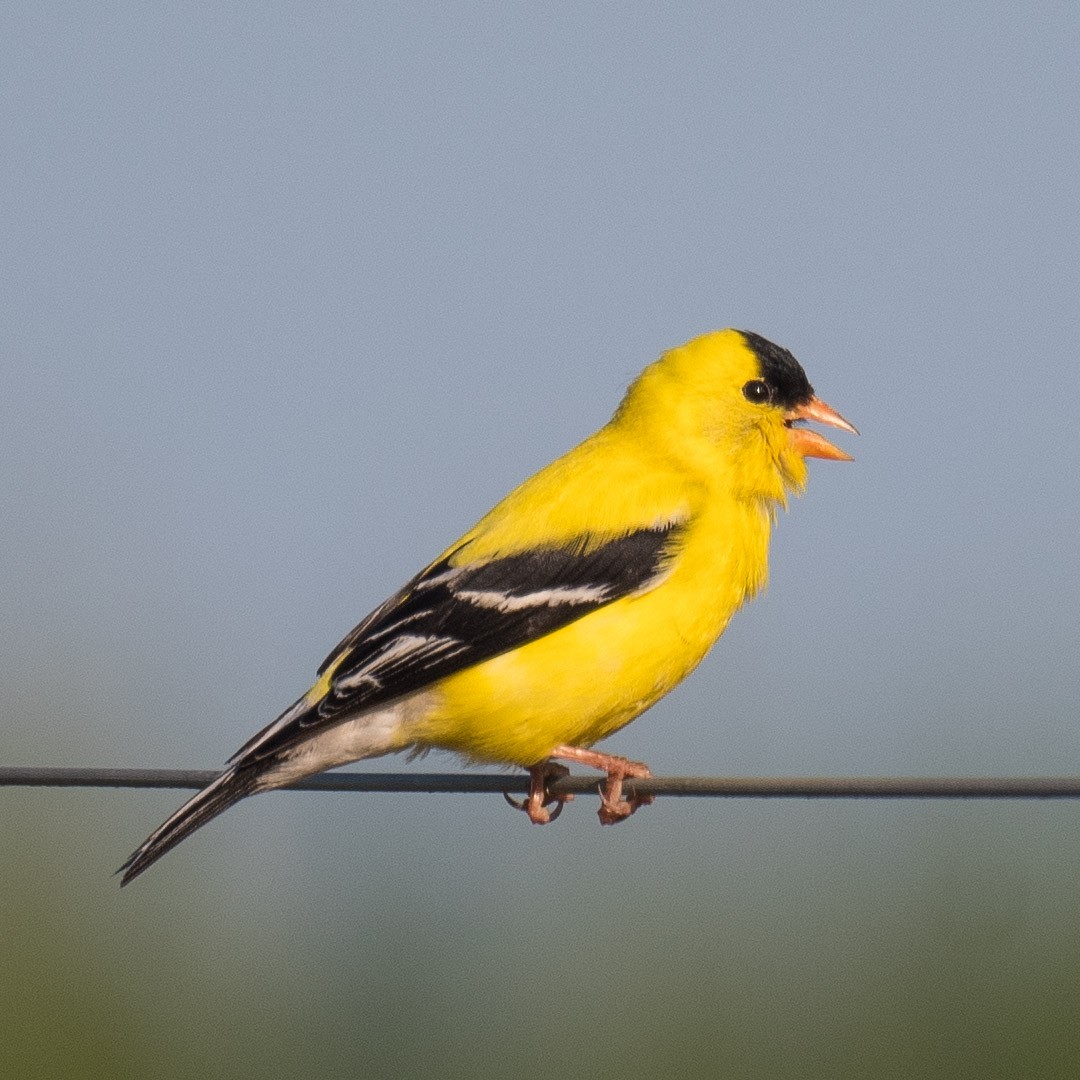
{"points": [[572, 606]]}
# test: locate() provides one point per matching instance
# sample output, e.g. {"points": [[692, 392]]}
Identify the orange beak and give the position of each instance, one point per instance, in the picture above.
{"points": [[809, 443]]}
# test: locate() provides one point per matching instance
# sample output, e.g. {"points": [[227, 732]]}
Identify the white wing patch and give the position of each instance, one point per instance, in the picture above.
{"points": [[506, 602], [449, 618], [403, 649]]}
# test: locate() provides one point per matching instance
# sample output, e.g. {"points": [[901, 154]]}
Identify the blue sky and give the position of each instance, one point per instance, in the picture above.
{"points": [[293, 298], [293, 293]]}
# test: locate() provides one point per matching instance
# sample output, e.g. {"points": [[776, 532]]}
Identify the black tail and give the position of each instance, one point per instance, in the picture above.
{"points": [[230, 787]]}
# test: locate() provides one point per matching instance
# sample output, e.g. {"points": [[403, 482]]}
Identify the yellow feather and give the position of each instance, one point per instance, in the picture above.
{"points": [[699, 442], [685, 445]]}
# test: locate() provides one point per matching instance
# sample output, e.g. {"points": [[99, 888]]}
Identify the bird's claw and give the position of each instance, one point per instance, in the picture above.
{"points": [[517, 804], [613, 807], [535, 814], [613, 810], [536, 803]]}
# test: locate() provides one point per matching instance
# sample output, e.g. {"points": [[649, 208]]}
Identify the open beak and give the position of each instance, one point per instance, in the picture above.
{"points": [[809, 443]]}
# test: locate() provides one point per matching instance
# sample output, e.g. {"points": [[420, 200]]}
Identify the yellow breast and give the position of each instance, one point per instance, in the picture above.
{"points": [[586, 680]]}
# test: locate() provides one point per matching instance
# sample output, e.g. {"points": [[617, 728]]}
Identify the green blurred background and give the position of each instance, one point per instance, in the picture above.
{"points": [[293, 293]]}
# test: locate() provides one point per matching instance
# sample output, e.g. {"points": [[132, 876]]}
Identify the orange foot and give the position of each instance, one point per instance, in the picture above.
{"points": [[539, 798], [613, 807]]}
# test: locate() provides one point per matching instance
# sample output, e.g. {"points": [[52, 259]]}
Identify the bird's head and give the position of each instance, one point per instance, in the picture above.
{"points": [[731, 402]]}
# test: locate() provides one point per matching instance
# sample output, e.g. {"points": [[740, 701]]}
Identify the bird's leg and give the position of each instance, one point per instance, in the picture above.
{"points": [[539, 798], [613, 807]]}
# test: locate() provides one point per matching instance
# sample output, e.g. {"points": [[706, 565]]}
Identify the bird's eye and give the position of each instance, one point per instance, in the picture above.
{"points": [[757, 391]]}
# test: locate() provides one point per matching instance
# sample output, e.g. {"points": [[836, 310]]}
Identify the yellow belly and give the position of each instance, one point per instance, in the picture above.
{"points": [[585, 681]]}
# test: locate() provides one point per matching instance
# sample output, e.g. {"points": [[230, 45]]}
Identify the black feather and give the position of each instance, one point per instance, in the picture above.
{"points": [[450, 618], [781, 371], [230, 787]]}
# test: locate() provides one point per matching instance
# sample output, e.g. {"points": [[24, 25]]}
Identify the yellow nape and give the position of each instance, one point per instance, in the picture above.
{"points": [[683, 436], [690, 404]]}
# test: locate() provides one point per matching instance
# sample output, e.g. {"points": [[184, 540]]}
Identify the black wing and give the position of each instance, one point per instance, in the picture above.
{"points": [[453, 617]]}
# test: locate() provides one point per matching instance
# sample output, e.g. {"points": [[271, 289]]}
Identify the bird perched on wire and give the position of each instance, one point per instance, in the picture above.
{"points": [[576, 603]]}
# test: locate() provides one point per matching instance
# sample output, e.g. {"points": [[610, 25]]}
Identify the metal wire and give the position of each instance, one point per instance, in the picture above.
{"points": [[766, 787]]}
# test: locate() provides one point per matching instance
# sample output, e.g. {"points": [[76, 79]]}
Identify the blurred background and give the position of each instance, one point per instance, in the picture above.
{"points": [[292, 293]]}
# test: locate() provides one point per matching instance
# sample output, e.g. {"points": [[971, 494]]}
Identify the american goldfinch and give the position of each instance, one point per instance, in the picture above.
{"points": [[572, 606]]}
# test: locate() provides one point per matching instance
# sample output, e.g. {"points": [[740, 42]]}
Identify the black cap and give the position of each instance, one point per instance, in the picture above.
{"points": [[781, 371]]}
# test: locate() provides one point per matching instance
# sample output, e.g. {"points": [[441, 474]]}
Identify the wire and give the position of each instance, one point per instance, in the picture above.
{"points": [[767, 787]]}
